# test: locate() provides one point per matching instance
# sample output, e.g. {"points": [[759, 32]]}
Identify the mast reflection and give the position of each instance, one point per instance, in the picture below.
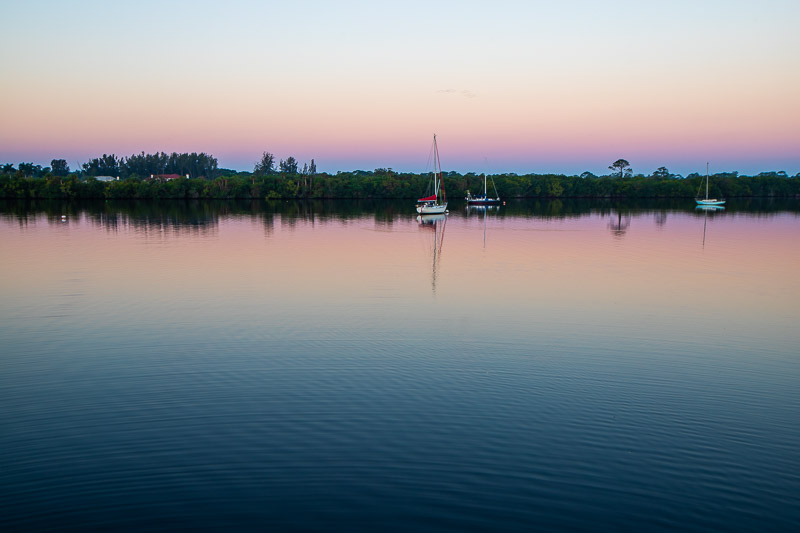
{"points": [[706, 209], [434, 224], [481, 210]]}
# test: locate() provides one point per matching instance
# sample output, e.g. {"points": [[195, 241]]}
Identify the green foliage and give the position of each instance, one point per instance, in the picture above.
{"points": [[621, 166], [266, 165], [59, 167], [382, 183], [661, 173], [158, 164], [289, 166], [108, 165], [29, 170]]}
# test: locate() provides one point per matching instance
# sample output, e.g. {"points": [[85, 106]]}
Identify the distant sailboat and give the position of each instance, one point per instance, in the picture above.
{"points": [[436, 204], [483, 199], [708, 201]]}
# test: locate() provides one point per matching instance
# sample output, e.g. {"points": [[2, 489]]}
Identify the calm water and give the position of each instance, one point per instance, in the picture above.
{"points": [[344, 366]]}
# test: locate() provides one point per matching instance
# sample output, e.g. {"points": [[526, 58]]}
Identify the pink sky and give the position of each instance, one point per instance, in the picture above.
{"points": [[523, 89]]}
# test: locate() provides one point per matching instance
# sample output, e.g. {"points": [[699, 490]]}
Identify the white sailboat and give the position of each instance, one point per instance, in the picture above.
{"points": [[436, 204], [708, 201]]}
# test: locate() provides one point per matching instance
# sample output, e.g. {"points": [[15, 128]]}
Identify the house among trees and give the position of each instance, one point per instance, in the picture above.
{"points": [[106, 178], [167, 177]]}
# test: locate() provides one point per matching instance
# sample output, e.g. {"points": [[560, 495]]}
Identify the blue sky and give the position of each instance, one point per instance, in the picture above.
{"points": [[528, 86]]}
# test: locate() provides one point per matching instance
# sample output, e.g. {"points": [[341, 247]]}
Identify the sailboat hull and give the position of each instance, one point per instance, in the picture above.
{"points": [[437, 209], [479, 200]]}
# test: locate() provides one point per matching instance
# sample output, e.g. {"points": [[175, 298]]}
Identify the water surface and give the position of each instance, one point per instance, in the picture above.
{"points": [[344, 366]]}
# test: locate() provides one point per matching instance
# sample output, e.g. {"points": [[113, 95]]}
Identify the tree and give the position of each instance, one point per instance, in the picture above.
{"points": [[289, 166], [587, 175], [621, 166], [194, 164], [30, 170], [59, 167], [108, 165], [305, 176], [266, 165], [312, 170], [661, 173], [8, 168]]}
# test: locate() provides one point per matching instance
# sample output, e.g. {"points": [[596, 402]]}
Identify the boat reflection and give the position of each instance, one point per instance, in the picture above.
{"points": [[434, 224], [706, 209], [481, 210]]}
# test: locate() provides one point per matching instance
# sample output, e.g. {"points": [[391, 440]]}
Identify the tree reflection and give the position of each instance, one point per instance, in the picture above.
{"points": [[619, 223]]}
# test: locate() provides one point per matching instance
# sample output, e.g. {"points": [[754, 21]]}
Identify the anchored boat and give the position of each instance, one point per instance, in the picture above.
{"points": [[483, 199], [435, 204], [708, 201]]}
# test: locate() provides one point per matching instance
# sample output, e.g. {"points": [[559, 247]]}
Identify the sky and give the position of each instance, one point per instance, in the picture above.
{"points": [[507, 86]]}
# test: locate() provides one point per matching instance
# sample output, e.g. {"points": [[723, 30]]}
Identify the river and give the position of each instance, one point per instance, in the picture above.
{"points": [[344, 366]]}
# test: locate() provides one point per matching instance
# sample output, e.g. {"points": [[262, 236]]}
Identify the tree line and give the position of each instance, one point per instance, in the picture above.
{"points": [[273, 179], [144, 165], [136, 166], [385, 184]]}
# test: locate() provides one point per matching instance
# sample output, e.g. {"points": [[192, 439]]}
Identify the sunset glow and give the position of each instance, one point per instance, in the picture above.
{"points": [[509, 86]]}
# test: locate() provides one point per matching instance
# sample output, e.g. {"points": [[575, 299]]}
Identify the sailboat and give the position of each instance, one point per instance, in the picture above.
{"points": [[708, 201], [483, 199], [436, 204]]}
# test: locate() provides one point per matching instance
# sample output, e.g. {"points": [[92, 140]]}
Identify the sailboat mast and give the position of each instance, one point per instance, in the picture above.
{"points": [[485, 175], [440, 182], [435, 177], [706, 180]]}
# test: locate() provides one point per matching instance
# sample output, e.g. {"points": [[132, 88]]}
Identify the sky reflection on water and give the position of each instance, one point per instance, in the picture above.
{"points": [[337, 366]]}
